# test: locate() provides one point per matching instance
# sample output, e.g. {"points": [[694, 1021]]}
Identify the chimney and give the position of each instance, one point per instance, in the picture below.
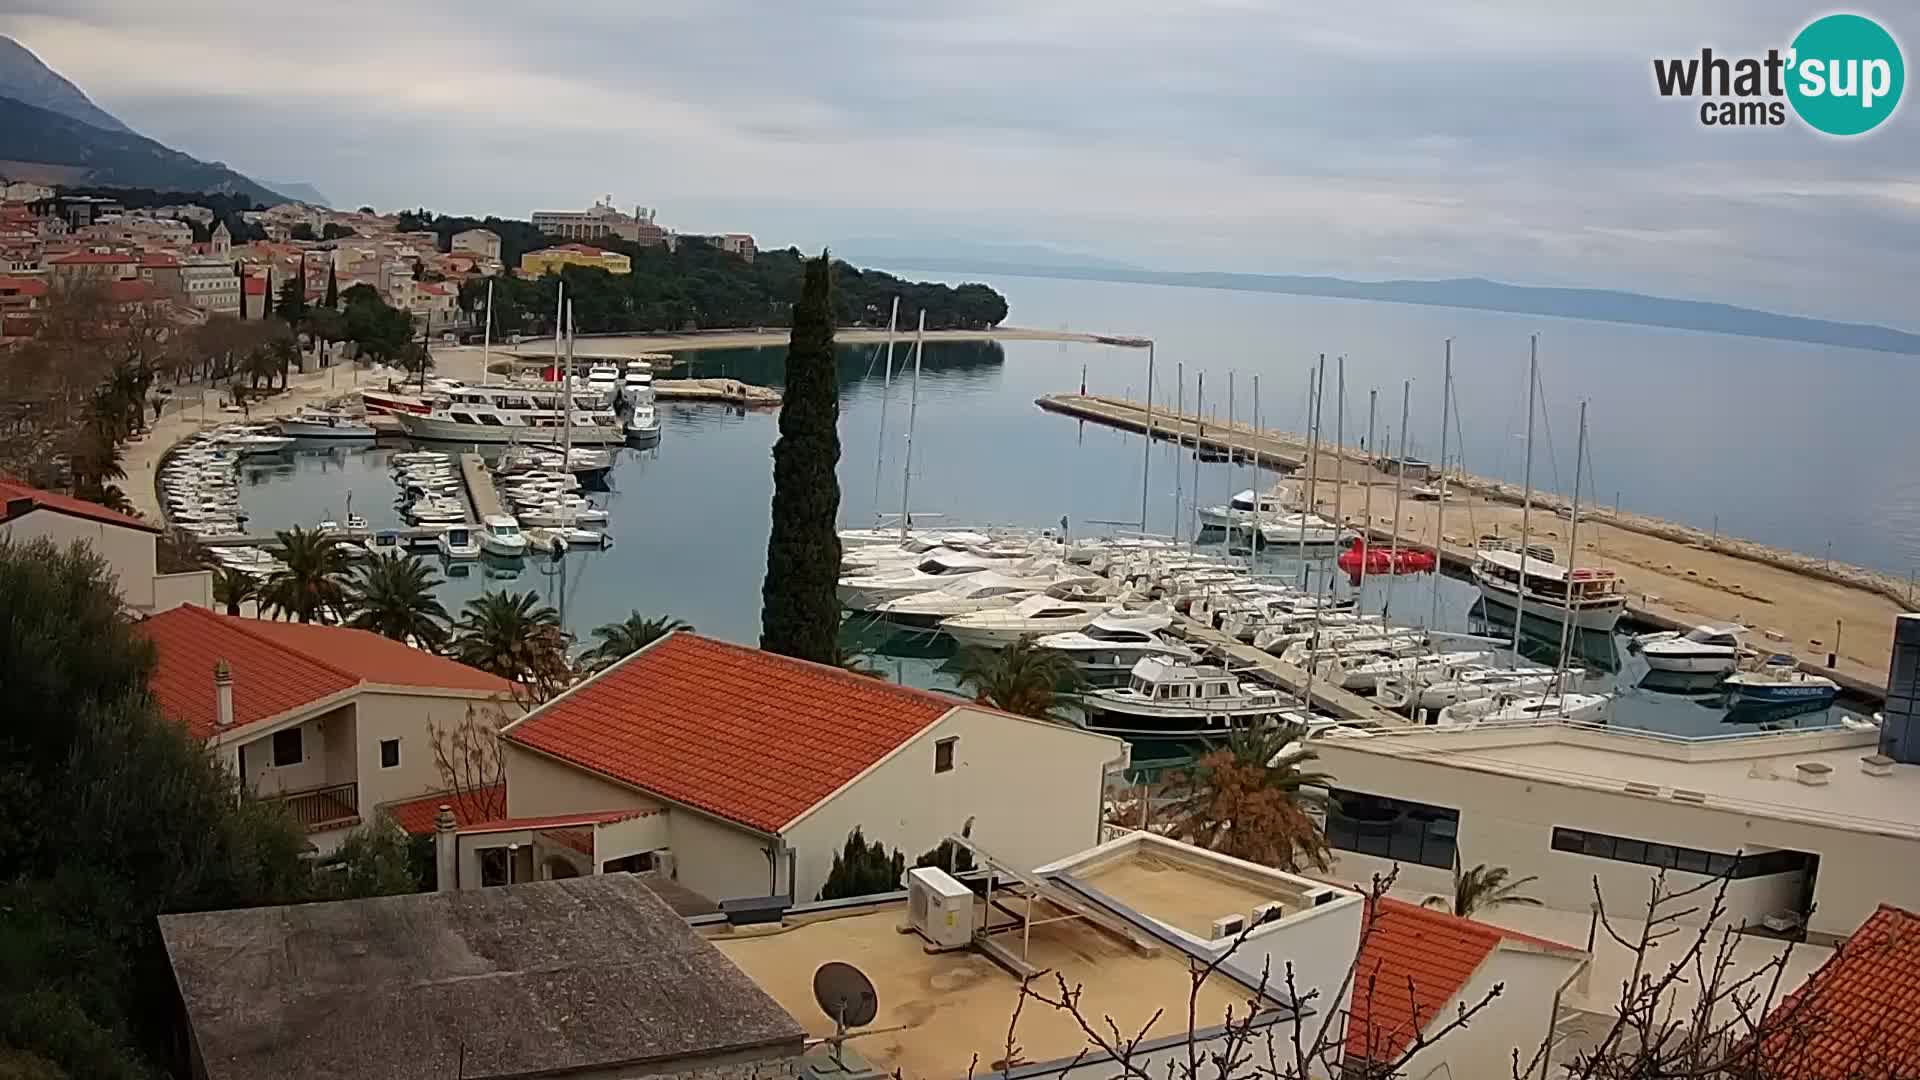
{"points": [[222, 695], [446, 858]]}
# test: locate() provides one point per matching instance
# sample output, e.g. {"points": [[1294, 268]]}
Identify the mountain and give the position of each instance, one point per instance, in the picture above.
{"points": [[1603, 305], [48, 147], [23, 77], [301, 192]]}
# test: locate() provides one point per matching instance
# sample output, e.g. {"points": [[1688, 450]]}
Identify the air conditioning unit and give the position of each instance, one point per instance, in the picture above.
{"points": [[663, 863], [939, 908], [1227, 926], [1272, 911]]}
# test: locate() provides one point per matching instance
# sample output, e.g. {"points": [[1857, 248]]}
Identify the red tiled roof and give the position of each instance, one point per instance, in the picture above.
{"points": [[131, 291], [93, 258], [281, 666], [1437, 952], [549, 821], [741, 734], [158, 259], [1863, 1018], [12, 492], [22, 286], [254, 286], [415, 816]]}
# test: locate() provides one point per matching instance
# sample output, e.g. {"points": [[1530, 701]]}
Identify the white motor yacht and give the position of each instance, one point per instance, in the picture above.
{"points": [[1706, 649], [1245, 508], [500, 535], [1291, 528], [1439, 689], [1166, 698], [1362, 672], [1506, 708], [1114, 642], [325, 424], [1035, 616], [868, 591], [977, 592], [554, 515], [643, 423], [458, 542]]}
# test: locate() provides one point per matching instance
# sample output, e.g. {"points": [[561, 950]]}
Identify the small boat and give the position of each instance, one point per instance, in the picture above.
{"points": [[1519, 708], [974, 592], [551, 541], [1363, 672], [1778, 682], [1166, 698], [1439, 689], [643, 423], [864, 592], [324, 424], [458, 542], [1310, 529], [253, 443], [1703, 649], [1244, 508], [500, 535], [1362, 557], [384, 542], [1035, 616], [1113, 643]]}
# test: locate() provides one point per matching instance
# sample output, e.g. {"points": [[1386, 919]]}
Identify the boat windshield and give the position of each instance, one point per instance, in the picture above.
{"points": [[1111, 633]]}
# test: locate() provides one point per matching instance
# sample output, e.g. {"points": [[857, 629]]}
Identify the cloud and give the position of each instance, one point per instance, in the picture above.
{"points": [[1397, 138]]}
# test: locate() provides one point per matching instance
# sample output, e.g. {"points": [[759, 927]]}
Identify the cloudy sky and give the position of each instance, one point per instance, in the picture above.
{"points": [[1393, 138]]}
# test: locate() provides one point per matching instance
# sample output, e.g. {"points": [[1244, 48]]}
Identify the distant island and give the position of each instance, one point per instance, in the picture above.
{"points": [[1603, 305]]}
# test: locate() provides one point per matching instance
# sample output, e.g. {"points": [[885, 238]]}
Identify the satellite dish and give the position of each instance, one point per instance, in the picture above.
{"points": [[845, 994]]}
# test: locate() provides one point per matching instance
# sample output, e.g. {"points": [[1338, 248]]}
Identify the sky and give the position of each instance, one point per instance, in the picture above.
{"points": [[1387, 139]]}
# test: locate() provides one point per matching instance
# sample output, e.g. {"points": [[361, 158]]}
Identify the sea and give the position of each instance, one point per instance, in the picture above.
{"points": [[1803, 446]]}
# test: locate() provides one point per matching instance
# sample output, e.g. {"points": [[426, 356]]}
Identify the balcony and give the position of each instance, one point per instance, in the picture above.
{"points": [[336, 806]]}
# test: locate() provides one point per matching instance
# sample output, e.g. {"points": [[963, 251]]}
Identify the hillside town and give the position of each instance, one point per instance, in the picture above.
{"points": [[184, 260]]}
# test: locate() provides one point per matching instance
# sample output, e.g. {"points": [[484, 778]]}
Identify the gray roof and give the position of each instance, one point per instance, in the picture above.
{"points": [[546, 978]]}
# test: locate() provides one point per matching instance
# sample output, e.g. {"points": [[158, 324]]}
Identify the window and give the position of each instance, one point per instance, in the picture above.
{"points": [[389, 753], [287, 749], [1674, 857], [631, 864], [1390, 828], [943, 755]]}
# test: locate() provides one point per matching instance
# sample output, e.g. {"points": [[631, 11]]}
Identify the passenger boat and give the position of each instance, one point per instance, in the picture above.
{"points": [[1165, 698], [523, 414], [1598, 597]]}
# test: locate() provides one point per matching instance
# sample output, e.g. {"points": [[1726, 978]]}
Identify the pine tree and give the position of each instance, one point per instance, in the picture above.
{"points": [[800, 613], [333, 289]]}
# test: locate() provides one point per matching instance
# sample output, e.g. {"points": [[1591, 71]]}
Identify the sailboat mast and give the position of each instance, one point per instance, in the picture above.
{"points": [[559, 329], [913, 413], [1146, 456], [886, 391], [1253, 451], [1339, 448], [1315, 402], [486, 339], [1440, 512], [1199, 429], [1573, 557], [1179, 411], [566, 393], [1526, 498], [1399, 490], [1366, 527], [1233, 469]]}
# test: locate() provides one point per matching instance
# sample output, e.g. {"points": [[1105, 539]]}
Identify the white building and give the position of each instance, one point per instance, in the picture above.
{"points": [[600, 221], [1806, 821], [126, 543], [482, 242], [22, 191], [741, 773], [332, 721]]}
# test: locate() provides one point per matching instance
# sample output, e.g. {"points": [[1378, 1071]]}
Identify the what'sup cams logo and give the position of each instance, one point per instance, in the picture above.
{"points": [[1842, 75]]}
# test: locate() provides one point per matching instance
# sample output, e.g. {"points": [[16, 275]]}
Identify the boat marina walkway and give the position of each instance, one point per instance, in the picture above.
{"points": [[1678, 576], [1325, 696], [481, 496]]}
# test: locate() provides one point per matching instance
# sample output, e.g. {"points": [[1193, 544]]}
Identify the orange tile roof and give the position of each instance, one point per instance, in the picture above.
{"points": [[93, 258], [12, 494], [744, 735], [549, 821], [1863, 1018], [22, 286], [415, 816], [281, 666], [1436, 952]]}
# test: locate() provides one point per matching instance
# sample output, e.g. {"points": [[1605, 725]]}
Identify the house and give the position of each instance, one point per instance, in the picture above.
{"points": [[600, 221], [1129, 921], [752, 769], [333, 721], [1813, 827], [1418, 968], [588, 978], [126, 543], [482, 242], [552, 260], [210, 285], [1858, 1017], [93, 264]]}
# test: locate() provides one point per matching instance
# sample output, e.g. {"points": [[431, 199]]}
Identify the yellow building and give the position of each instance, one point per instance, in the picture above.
{"points": [[550, 260]]}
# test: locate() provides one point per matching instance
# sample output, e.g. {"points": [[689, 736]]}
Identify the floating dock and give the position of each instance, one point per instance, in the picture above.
{"points": [[1678, 576], [481, 496], [1324, 695], [724, 391]]}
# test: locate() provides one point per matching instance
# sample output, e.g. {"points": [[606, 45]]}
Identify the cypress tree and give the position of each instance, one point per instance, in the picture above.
{"points": [[799, 610], [333, 288], [266, 296], [240, 273]]}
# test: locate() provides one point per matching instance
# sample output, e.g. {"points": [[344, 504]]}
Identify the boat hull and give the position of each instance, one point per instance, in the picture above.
{"points": [[296, 429], [433, 429], [1788, 693], [1696, 663]]}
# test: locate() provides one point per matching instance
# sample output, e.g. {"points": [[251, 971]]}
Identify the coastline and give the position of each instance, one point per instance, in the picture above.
{"points": [[631, 345]]}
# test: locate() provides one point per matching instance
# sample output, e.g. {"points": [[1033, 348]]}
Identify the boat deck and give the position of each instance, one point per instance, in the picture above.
{"points": [[1676, 576]]}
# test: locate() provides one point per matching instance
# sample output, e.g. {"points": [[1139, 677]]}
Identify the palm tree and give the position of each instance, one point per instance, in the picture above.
{"points": [[1483, 887], [619, 640], [393, 597], [1248, 798], [1020, 678], [234, 587], [516, 637], [312, 586]]}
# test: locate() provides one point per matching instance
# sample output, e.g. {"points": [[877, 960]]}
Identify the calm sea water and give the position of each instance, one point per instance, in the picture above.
{"points": [[1792, 444]]}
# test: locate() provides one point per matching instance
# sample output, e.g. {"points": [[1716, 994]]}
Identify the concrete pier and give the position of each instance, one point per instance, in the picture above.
{"points": [[481, 495], [1324, 695]]}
